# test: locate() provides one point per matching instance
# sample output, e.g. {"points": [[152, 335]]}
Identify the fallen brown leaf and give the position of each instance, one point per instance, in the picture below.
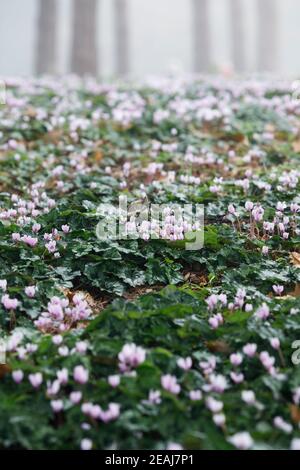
{"points": [[30, 112], [295, 413], [289, 295], [53, 137], [270, 127], [94, 304], [295, 292], [98, 155], [4, 369], [196, 278], [296, 146], [295, 258], [218, 346]]}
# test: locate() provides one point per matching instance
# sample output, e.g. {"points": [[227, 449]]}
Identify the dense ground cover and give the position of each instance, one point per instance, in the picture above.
{"points": [[140, 343]]}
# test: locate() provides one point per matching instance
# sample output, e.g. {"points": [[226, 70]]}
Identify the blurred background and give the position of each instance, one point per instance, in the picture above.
{"points": [[110, 38]]}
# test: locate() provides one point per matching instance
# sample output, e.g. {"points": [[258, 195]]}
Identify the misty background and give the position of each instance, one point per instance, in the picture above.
{"points": [[161, 35]]}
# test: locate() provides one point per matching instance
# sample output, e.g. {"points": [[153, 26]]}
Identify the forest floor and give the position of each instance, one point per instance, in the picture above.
{"points": [[175, 331]]}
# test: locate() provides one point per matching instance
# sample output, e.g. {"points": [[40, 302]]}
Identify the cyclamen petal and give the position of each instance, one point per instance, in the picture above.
{"points": [[36, 379], [241, 440], [17, 376], [169, 383], [30, 291], [80, 374], [3, 284], [8, 303], [131, 356], [30, 241]]}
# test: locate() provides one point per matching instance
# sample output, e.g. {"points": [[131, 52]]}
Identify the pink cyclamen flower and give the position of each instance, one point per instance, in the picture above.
{"points": [[112, 413], [283, 425], [75, 397], [12, 144], [295, 444], [275, 343], [215, 321], [296, 395], [169, 383], [265, 250], [241, 440], [218, 383], [36, 228], [63, 351], [231, 209], [295, 207], [57, 339], [80, 374], [30, 291], [154, 397], [248, 396], [86, 444], [219, 419], [35, 379], [81, 346], [8, 303], [65, 228], [263, 312], [185, 363], [278, 289], [215, 406], [249, 206], [212, 301], [114, 409], [13, 341], [86, 408], [16, 237], [53, 388], [63, 376], [51, 246], [47, 236], [113, 380], [208, 366], [267, 360], [30, 241], [17, 376], [281, 206], [174, 446], [57, 405], [236, 359], [250, 349], [131, 356], [237, 378], [223, 299], [258, 213], [95, 412], [195, 395]]}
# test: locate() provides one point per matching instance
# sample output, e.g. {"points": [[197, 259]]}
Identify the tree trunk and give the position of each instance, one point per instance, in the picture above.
{"points": [[84, 43], [201, 36], [237, 28], [47, 37], [267, 35], [121, 37]]}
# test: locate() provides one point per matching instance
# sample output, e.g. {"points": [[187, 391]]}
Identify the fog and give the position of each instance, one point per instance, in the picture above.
{"points": [[160, 36]]}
